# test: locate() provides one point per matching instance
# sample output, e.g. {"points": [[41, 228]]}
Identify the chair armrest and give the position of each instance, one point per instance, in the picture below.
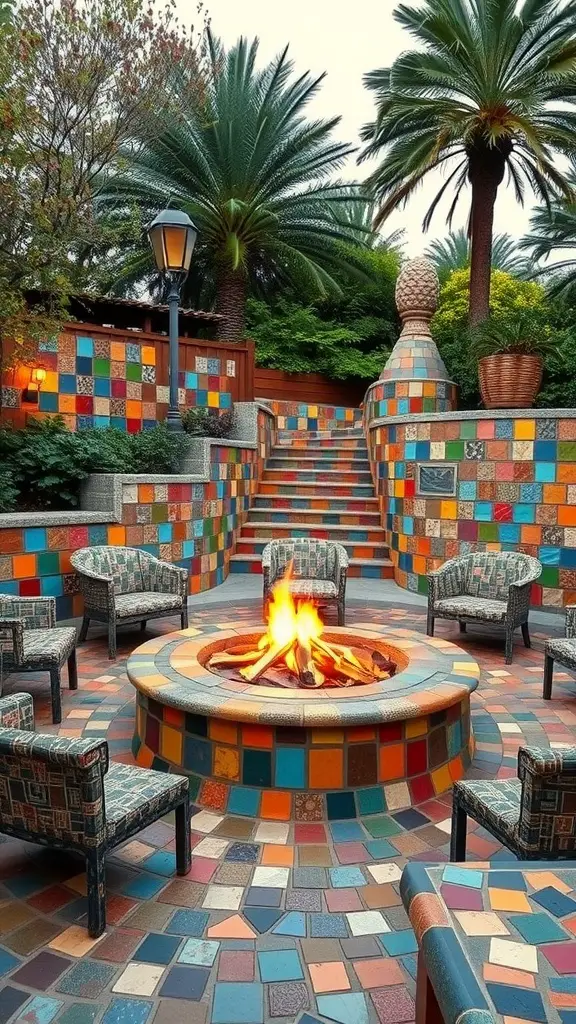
{"points": [[447, 581], [529, 577], [544, 761], [12, 633], [267, 557], [96, 588], [55, 750], [341, 558], [17, 712], [35, 612], [166, 578], [570, 621]]}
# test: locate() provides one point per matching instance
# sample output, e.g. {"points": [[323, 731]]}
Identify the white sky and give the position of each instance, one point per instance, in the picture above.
{"points": [[345, 40]]}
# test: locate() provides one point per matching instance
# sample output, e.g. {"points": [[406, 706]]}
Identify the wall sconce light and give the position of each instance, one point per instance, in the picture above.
{"points": [[37, 378]]}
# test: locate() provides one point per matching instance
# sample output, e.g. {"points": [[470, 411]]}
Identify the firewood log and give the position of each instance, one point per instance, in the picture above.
{"points": [[272, 655]]}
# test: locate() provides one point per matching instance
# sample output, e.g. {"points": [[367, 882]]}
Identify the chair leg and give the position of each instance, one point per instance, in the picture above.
{"points": [[430, 625], [509, 645], [56, 699], [84, 629], [183, 838], [72, 671], [525, 634], [112, 650], [143, 625], [458, 834], [184, 616], [96, 887], [462, 626], [341, 613], [548, 671]]}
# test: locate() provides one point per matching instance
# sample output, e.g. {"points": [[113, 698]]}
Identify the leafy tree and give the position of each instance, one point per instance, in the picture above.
{"points": [[77, 77], [553, 232], [453, 253], [487, 93], [509, 296], [254, 174]]}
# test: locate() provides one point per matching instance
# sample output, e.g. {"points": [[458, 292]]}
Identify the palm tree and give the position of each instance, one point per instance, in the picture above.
{"points": [[255, 177], [453, 253], [553, 232], [482, 98]]}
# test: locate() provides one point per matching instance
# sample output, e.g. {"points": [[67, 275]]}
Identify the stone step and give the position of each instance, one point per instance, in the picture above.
{"points": [[359, 549], [328, 476], [267, 514], [315, 452], [323, 444], [364, 568], [342, 532], [319, 503], [278, 487], [338, 466]]}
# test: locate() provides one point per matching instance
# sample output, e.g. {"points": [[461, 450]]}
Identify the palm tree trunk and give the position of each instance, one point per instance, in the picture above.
{"points": [[486, 168], [231, 303]]}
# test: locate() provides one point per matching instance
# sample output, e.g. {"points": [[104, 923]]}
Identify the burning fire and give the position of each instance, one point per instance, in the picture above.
{"points": [[293, 653]]}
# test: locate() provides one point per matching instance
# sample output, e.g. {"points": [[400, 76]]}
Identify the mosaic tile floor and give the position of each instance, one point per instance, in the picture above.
{"points": [[278, 920]]}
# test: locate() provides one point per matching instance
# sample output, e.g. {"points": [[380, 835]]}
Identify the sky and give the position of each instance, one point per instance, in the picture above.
{"points": [[345, 40]]}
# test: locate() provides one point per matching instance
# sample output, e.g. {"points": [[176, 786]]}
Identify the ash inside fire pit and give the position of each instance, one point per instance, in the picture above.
{"points": [[293, 654]]}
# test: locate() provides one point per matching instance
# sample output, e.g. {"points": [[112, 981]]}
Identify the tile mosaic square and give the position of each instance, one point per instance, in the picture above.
{"points": [[328, 926], [561, 956], [302, 899], [271, 877], [238, 1003], [262, 918], [399, 943], [86, 979], [367, 922], [223, 897], [280, 965], [517, 1002], [509, 900], [329, 977], [261, 897], [293, 923], [185, 982], [41, 972], [513, 954], [555, 902], [198, 952], [288, 999], [377, 973], [40, 1010], [537, 928], [139, 979], [349, 1008], [346, 877], [236, 965], [127, 1011], [475, 922], [385, 872]]}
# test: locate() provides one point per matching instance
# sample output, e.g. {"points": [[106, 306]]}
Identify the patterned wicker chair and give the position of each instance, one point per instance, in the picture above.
{"points": [[319, 570], [533, 815], [30, 642], [487, 586], [122, 586], [64, 793], [563, 651]]}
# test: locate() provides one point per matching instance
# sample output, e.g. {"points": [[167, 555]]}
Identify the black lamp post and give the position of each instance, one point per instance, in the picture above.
{"points": [[172, 236]]}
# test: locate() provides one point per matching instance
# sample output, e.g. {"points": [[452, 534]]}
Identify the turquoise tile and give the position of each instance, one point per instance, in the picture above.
{"points": [[127, 1011], [7, 961], [399, 943], [244, 801], [293, 923], [537, 928], [40, 1010], [35, 539], [371, 801], [85, 347], [280, 965], [80, 1013], [348, 1008], [238, 1003], [290, 772], [462, 876], [346, 877], [188, 922], [380, 849], [201, 953]]}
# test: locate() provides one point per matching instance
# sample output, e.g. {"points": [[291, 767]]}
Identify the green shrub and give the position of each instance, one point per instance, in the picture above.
{"points": [[199, 422], [8, 491], [47, 463]]}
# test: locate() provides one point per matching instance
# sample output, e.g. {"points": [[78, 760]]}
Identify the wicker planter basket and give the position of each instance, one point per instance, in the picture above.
{"points": [[509, 380]]}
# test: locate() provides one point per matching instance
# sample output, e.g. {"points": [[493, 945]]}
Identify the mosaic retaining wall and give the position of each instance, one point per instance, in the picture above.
{"points": [[305, 774], [303, 417], [187, 520], [515, 489], [400, 397], [98, 377]]}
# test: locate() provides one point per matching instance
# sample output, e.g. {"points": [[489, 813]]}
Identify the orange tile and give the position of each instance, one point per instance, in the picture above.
{"points": [[329, 977], [570, 924], [117, 535], [145, 494], [456, 768], [376, 973], [326, 769], [508, 976], [554, 494], [531, 534], [226, 763], [257, 736], [23, 566], [171, 744], [173, 717], [567, 515], [278, 856], [65, 563], [561, 1000], [360, 732], [133, 409], [117, 351], [224, 732], [509, 900], [148, 355], [566, 472], [234, 927], [543, 879], [441, 779], [275, 805], [392, 761]]}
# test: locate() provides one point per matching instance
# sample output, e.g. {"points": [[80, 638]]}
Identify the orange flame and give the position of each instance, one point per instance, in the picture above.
{"points": [[288, 621]]}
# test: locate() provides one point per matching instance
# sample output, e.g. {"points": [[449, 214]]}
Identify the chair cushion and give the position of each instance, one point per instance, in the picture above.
{"points": [[496, 805], [48, 646], [471, 608], [146, 603], [313, 588], [563, 651], [133, 795]]}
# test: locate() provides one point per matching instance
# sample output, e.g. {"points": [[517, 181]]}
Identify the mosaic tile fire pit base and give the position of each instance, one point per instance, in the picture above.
{"points": [[306, 755]]}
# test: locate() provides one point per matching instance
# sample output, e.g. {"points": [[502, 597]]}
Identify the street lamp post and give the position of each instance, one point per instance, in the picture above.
{"points": [[172, 236]]}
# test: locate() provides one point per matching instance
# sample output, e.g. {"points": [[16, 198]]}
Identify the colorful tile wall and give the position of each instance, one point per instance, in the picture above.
{"points": [[298, 416], [305, 773], [401, 397], [189, 524], [516, 490], [99, 381]]}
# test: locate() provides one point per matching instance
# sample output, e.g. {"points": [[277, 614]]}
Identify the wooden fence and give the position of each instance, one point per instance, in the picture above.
{"points": [[308, 388]]}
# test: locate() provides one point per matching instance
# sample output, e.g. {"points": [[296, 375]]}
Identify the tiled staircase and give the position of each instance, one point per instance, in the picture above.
{"points": [[317, 485]]}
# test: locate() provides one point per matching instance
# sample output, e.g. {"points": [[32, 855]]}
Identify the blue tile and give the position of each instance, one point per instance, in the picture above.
{"points": [[545, 472], [246, 853], [102, 387], [290, 770], [162, 863], [199, 952], [185, 982], [328, 926], [399, 943], [537, 928], [523, 513], [346, 877], [238, 1003], [347, 832], [344, 1008], [143, 887], [35, 539], [86, 979], [554, 901], [462, 876], [127, 1011], [165, 533], [507, 879], [258, 896], [371, 801], [52, 586], [294, 923], [40, 1010], [7, 961], [85, 347], [188, 922], [156, 949], [513, 1001], [262, 918], [280, 965], [566, 984], [380, 849], [48, 401]]}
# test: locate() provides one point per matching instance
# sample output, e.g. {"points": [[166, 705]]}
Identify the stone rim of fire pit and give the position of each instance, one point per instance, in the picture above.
{"points": [[168, 669]]}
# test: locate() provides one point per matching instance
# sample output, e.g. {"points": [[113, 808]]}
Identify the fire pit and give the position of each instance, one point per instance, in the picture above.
{"points": [[294, 652], [291, 752]]}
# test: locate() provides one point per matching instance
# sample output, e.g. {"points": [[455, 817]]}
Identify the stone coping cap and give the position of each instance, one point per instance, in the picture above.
{"points": [[167, 670], [476, 414], [69, 517]]}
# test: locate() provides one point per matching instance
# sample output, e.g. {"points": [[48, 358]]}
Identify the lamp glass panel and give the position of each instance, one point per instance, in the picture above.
{"points": [[175, 247], [157, 239], [191, 236]]}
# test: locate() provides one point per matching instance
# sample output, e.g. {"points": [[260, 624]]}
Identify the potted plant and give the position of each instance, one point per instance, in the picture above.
{"points": [[510, 352]]}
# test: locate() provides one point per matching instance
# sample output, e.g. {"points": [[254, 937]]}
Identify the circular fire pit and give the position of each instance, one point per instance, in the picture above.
{"points": [[251, 748]]}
